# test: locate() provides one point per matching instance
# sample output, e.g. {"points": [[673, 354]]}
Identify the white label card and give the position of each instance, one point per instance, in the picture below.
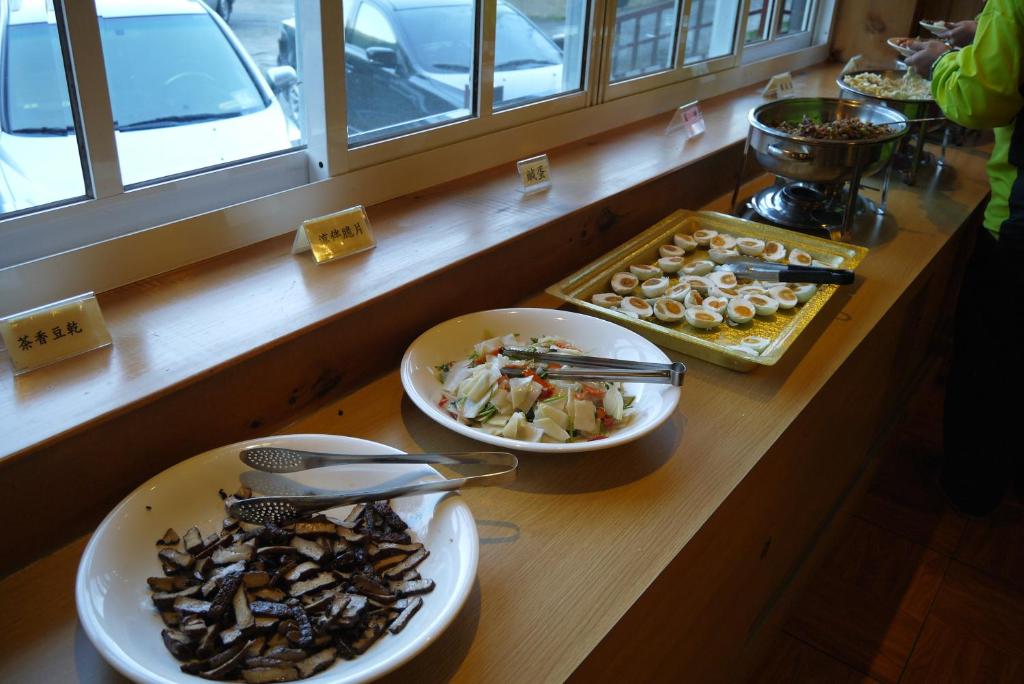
{"points": [[779, 86], [688, 119], [335, 235], [52, 332], [534, 173]]}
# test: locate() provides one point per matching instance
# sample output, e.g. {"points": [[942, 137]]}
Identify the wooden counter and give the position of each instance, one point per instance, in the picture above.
{"points": [[661, 559]]}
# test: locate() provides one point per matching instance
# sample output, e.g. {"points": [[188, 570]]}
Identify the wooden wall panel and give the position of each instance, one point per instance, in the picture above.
{"points": [[863, 26]]}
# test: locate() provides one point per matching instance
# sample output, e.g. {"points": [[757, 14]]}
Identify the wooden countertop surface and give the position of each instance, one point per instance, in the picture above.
{"points": [[569, 548]]}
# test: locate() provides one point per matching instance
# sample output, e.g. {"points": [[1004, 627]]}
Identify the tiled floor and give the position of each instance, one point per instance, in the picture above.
{"points": [[913, 592]]}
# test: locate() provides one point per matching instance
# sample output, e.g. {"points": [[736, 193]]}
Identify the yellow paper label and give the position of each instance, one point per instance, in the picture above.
{"points": [[49, 333], [336, 235], [535, 173], [780, 85]]}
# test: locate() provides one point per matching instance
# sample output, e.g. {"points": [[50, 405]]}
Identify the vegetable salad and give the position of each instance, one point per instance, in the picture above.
{"points": [[534, 407]]}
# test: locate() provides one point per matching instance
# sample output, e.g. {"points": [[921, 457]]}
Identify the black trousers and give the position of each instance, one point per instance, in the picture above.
{"points": [[984, 414]]}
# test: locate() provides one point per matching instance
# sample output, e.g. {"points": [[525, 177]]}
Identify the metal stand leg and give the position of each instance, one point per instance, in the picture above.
{"points": [[739, 176], [883, 202], [915, 161], [851, 202], [946, 135]]}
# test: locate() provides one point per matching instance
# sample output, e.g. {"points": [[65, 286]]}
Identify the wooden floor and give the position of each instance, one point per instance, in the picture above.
{"points": [[912, 592]]}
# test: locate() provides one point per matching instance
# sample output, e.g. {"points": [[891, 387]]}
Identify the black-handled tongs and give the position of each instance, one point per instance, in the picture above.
{"points": [[595, 368], [788, 273]]}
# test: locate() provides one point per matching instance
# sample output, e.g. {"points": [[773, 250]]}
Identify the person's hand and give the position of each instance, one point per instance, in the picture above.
{"points": [[961, 33], [922, 60]]}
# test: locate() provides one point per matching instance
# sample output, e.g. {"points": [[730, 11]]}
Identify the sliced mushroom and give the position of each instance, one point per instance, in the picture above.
{"points": [[225, 594], [286, 653], [229, 661], [374, 628], [233, 554], [399, 623], [168, 584], [176, 558], [408, 564], [371, 588], [317, 662], [191, 606], [165, 600], [170, 538], [270, 594], [277, 610], [194, 540], [255, 580], [263, 675], [244, 619], [411, 587], [178, 643], [321, 581], [314, 527], [301, 571], [307, 548], [302, 635]]}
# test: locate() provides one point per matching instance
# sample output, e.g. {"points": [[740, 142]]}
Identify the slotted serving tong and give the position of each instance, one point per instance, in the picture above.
{"points": [[262, 510], [596, 368]]}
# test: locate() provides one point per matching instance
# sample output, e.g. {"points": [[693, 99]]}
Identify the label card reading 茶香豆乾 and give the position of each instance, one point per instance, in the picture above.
{"points": [[779, 86], [689, 119], [535, 173], [52, 332], [335, 235]]}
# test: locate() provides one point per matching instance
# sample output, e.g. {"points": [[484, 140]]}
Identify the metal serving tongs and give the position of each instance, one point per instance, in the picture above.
{"points": [[583, 368], [262, 510], [788, 273]]}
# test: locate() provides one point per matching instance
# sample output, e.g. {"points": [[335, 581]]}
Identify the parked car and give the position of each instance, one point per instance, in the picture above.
{"points": [[410, 62], [222, 7], [184, 93]]}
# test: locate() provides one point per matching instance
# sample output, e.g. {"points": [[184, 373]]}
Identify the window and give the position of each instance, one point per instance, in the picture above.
{"points": [[644, 37], [191, 115], [185, 95], [539, 50], [408, 66], [40, 162], [711, 32], [758, 21], [795, 16]]}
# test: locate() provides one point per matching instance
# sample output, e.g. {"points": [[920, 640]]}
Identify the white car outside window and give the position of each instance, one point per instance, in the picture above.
{"points": [[184, 94]]}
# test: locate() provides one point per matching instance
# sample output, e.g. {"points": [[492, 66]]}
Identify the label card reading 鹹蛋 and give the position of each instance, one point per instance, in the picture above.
{"points": [[535, 173], [780, 86], [335, 235], [688, 119], [52, 332]]}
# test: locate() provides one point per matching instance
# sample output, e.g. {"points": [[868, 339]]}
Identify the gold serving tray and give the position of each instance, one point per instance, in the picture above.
{"points": [[710, 345]]}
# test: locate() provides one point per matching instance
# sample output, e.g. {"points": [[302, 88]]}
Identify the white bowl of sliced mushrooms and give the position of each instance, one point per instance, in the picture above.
{"points": [[170, 589]]}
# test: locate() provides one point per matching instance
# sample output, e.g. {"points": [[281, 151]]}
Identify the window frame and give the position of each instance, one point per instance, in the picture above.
{"points": [[142, 231]]}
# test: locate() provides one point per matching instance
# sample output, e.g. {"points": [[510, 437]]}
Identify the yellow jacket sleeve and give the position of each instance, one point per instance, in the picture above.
{"points": [[979, 86]]}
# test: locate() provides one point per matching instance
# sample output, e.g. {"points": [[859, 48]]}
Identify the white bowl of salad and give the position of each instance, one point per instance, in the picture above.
{"points": [[453, 373]]}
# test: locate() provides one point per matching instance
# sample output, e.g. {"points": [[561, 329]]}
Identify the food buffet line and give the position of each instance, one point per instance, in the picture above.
{"points": [[262, 574]]}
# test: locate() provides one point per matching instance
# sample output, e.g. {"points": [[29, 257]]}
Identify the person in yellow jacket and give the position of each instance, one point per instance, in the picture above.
{"points": [[980, 86]]}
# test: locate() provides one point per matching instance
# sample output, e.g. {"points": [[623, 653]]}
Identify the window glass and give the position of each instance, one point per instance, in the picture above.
{"points": [[796, 16], [39, 155], [644, 38], [539, 47], [758, 21], [184, 90], [711, 31], [409, 65]]}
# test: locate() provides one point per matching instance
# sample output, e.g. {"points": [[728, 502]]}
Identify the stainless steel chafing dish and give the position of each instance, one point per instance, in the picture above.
{"points": [[913, 109], [822, 161]]}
